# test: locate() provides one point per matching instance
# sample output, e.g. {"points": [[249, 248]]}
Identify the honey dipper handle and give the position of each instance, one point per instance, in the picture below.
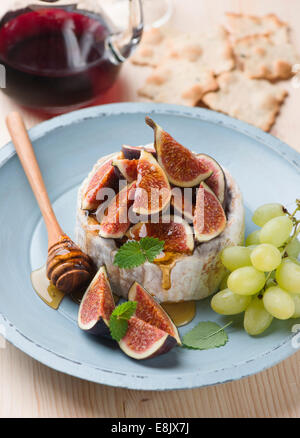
{"points": [[23, 146]]}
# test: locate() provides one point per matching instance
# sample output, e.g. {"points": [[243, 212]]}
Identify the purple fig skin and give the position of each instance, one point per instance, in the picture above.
{"points": [[227, 200], [226, 204], [168, 344], [118, 174], [134, 152], [214, 163], [99, 329]]}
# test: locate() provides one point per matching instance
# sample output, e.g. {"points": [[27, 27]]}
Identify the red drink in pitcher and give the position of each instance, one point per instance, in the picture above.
{"points": [[56, 58]]}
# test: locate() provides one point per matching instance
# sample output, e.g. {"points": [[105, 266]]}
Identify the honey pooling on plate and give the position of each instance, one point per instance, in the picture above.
{"points": [[45, 289], [181, 313]]}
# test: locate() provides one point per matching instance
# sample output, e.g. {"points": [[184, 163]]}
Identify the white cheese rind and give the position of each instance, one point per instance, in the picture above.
{"points": [[193, 277]]}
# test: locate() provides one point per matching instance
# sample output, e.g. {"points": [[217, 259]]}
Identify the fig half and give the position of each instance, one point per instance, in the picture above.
{"points": [[150, 311], [217, 181], [97, 305], [175, 231], [116, 222], [104, 177], [134, 152], [143, 340], [181, 166], [127, 168], [153, 191], [210, 218]]}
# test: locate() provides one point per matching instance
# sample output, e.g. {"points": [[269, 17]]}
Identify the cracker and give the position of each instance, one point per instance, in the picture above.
{"points": [[178, 81], [254, 101], [262, 57], [242, 25], [152, 48], [211, 50]]}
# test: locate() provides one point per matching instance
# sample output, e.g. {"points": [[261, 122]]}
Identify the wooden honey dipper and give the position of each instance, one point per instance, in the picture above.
{"points": [[68, 267]]}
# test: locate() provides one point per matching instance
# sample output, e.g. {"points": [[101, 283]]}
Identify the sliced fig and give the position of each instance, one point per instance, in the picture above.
{"points": [[209, 219], [217, 181], [134, 152], [150, 311], [181, 166], [127, 168], [104, 177], [153, 191], [184, 203], [175, 231], [116, 222], [97, 305], [143, 340]]}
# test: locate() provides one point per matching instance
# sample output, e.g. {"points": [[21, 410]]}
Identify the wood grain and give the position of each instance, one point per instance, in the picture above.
{"points": [[30, 389]]}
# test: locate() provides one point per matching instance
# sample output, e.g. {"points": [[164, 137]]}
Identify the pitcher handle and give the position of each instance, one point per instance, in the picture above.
{"points": [[123, 44]]}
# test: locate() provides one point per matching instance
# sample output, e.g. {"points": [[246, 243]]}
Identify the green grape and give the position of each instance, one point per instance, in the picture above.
{"points": [[293, 248], [251, 247], [276, 231], [235, 257], [288, 275], [228, 303], [265, 257], [256, 319], [296, 299], [223, 284], [266, 212], [279, 303], [253, 238], [246, 281]]}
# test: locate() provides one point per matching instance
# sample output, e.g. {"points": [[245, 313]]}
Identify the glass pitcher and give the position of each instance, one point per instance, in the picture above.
{"points": [[59, 55]]}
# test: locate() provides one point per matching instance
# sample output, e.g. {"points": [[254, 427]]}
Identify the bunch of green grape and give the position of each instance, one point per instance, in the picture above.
{"points": [[264, 276]]}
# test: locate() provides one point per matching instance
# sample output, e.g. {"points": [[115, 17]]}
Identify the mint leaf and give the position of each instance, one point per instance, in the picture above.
{"points": [[118, 328], [135, 253], [118, 323], [205, 335], [152, 247], [125, 310], [130, 255]]}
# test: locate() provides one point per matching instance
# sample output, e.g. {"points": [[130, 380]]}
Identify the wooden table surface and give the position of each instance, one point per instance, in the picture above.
{"points": [[30, 389]]}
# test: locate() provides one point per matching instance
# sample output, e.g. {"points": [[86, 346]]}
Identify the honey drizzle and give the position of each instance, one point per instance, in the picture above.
{"points": [[166, 263], [45, 289], [181, 313]]}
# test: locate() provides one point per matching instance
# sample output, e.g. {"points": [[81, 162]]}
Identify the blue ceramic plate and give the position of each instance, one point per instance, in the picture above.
{"points": [[266, 169]]}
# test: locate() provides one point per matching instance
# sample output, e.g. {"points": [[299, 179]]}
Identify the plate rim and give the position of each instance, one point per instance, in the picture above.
{"points": [[143, 381]]}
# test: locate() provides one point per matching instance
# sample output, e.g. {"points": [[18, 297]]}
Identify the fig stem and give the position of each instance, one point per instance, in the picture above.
{"points": [[150, 122]]}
